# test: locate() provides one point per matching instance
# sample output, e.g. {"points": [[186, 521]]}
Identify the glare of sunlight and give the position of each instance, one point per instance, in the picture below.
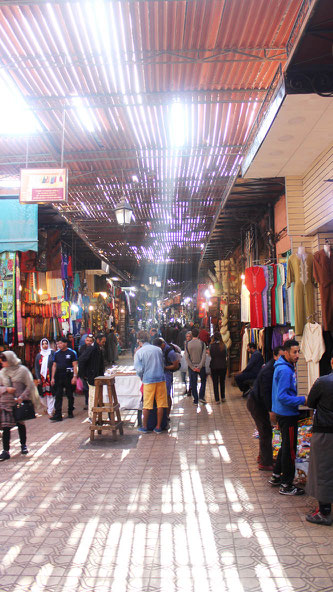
{"points": [[138, 551], [245, 528], [47, 444], [42, 578], [76, 534], [177, 124], [167, 553], [275, 568], [124, 454], [10, 182], [230, 490], [10, 556], [85, 117], [224, 453], [209, 409], [15, 117], [82, 552], [111, 545]]}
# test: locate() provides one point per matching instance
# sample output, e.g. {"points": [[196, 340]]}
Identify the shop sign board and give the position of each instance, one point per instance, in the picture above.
{"points": [[44, 186]]}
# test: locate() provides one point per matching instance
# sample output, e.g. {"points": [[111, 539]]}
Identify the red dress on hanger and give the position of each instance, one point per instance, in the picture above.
{"points": [[255, 282]]}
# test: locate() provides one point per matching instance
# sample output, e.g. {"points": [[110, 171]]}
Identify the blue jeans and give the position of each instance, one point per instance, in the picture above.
{"points": [[194, 383]]}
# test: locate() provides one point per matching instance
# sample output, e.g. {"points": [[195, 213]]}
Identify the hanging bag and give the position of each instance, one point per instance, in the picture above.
{"points": [[23, 411]]}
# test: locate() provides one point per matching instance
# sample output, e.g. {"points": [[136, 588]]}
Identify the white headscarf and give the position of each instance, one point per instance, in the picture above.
{"points": [[45, 354], [15, 371]]}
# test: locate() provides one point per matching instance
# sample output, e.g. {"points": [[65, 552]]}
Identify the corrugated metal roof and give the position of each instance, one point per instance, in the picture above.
{"points": [[159, 98]]}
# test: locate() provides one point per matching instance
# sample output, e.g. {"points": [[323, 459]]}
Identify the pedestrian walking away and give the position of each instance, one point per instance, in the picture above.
{"points": [[149, 366], [91, 365], [195, 354], [218, 366]]}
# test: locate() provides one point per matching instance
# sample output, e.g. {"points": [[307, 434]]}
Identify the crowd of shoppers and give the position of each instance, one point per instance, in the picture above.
{"points": [[270, 390]]}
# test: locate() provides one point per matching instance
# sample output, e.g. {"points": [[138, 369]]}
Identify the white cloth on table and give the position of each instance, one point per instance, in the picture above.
{"points": [[128, 392], [313, 348]]}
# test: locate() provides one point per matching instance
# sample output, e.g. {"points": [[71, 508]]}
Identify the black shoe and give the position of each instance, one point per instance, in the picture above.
{"points": [[70, 414], [195, 402], [275, 480], [4, 455], [317, 517], [291, 490], [203, 401], [55, 418], [24, 450]]}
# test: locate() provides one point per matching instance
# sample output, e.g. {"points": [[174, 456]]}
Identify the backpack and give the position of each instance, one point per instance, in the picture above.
{"points": [[171, 347]]}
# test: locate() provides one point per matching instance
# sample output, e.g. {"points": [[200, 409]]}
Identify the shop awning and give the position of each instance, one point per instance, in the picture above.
{"points": [[18, 225]]}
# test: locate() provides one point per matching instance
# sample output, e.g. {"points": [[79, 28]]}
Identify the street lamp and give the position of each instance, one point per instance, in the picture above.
{"points": [[123, 212]]}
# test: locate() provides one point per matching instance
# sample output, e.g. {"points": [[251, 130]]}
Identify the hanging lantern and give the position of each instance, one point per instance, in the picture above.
{"points": [[123, 212]]}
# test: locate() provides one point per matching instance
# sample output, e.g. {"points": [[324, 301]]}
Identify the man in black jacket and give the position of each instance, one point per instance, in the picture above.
{"points": [[89, 342], [246, 378], [320, 477], [259, 404], [91, 365]]}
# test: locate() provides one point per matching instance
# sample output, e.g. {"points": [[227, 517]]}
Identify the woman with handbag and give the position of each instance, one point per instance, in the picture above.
{"points": [[16, 386], [43, 372]]}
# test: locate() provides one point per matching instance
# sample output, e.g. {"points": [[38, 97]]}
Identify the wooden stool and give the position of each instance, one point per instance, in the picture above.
{"points": [[111, 408]]}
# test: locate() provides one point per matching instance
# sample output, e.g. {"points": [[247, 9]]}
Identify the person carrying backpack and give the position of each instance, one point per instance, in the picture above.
{"points": [[171, 365]]}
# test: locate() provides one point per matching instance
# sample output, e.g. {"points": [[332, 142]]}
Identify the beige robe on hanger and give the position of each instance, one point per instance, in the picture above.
{"points": [[313, 348], [300, 272]]}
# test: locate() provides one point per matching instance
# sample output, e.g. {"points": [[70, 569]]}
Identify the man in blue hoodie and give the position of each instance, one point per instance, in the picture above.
{"points": [[285, 403]]}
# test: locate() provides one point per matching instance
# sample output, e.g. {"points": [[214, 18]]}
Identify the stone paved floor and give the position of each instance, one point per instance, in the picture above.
{"points": [[186, 511]]}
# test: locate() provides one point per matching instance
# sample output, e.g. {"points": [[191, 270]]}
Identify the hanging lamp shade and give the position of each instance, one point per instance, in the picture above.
{"points": [[123, 212]]}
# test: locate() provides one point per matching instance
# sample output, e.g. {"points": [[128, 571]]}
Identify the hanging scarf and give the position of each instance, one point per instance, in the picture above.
{"points": [[45, 353]]}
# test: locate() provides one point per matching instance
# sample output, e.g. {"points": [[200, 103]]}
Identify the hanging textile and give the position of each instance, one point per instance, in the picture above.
{"points": [[255, 283], [245, 342], [285, 295], [323, 273], [77, 285], [7, 289], [269, 294], [18, 303], [273, 296], [264, 296], [245, 304], [28, 261], [279, 294], [300, 272], [313, 348], [53, 250]]}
